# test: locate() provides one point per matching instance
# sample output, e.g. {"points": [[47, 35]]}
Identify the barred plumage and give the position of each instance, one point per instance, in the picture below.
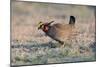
{"points": [[59, 32]]}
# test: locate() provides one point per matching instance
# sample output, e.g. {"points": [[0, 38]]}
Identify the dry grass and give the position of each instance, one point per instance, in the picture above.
{"points": [[32, 46]]}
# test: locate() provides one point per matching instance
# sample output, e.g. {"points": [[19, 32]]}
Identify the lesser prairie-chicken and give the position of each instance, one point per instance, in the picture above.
{"points": [[58, 31]]}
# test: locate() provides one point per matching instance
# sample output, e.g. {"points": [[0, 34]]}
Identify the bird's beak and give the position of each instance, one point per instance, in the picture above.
{"points": [[39, 28]]}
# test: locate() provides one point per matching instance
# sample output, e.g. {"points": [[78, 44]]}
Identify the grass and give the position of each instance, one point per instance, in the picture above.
{"points": [[48, 54], [32, 46]]}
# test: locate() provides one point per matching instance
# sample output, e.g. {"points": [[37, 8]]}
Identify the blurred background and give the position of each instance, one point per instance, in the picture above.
{"points": [[30, 45]]}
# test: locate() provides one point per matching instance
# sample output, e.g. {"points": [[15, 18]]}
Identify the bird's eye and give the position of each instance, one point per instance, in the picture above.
{"points": [[41, 26]]}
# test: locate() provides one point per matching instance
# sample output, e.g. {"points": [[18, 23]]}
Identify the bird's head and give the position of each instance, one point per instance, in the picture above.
{"points": [[40, 25]]}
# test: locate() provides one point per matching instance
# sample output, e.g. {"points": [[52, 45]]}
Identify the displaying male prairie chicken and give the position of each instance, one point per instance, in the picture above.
{"points": [[58, 31]]}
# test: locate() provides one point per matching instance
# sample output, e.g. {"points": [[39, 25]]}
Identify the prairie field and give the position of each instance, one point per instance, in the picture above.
{"points": [[31, 46]]}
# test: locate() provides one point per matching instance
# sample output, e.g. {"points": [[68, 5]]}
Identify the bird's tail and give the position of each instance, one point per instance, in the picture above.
{"points": [[72, 20]]}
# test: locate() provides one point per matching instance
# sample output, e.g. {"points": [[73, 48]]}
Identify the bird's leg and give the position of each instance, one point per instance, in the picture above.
{"points": [[62, 43]]}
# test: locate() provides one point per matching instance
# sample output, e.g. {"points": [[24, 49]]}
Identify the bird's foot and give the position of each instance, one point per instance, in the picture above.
{"points": [[63, 45]]}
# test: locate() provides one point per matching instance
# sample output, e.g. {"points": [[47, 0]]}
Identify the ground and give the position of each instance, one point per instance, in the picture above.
{"points": [[31, 46]]}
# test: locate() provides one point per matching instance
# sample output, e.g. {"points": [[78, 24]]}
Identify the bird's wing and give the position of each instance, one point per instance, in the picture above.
{"points": [[63, 27], [64, 31]]}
